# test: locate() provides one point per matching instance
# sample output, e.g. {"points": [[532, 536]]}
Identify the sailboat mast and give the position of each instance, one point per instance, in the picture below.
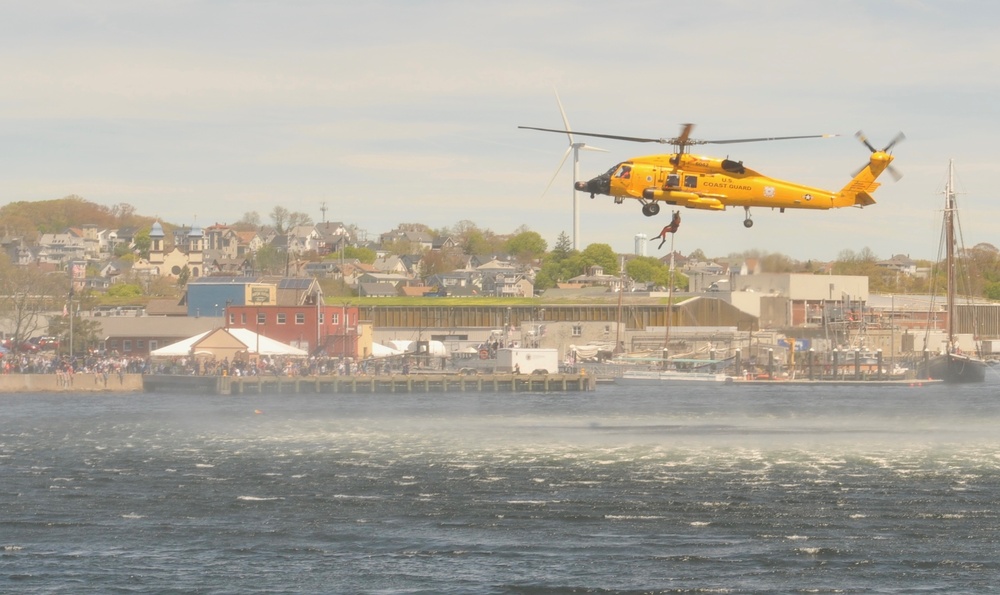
{"points": [[949, 224]]}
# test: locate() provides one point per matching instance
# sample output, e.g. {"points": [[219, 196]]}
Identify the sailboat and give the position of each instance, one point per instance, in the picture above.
{"points": [[953, 366]]}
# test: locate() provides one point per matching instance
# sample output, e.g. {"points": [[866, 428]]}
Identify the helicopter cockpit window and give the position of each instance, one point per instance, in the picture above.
{"points": [[732, 166], [690, 181], [624, 172]]}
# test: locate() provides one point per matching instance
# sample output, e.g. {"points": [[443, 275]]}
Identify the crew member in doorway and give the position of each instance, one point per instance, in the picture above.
{"points": [[675, 222]]}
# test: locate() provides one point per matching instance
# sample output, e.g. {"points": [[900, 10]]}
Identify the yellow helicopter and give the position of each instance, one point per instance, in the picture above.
{"points": [[711, 183]]}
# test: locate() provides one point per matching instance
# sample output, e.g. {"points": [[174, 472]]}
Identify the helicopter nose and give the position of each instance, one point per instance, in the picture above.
{"points": [[599, 185]]}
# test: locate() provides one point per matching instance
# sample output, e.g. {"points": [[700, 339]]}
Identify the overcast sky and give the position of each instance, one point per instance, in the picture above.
{"points": [[393, 112]]}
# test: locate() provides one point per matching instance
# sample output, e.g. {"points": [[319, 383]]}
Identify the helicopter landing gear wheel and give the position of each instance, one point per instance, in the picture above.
{"points": [[748, 222], [650, 209]]}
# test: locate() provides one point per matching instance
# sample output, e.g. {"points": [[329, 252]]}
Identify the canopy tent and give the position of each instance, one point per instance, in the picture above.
{"points": [[226, 343], [379, 350]]}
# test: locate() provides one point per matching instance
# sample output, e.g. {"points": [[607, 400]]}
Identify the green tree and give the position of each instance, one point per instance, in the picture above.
{"points": [[143, 243], [646, 269], [559, 265], [270, 260], [563, 247], [526, 246], [601, 255], [475, 242]]}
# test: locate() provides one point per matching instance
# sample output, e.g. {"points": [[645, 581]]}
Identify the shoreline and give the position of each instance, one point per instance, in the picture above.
{"points": [[81, 382]]}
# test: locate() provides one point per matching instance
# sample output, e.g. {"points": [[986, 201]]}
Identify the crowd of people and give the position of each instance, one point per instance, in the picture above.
{"points": [[281, 366], [104, 366], [100, 367]]}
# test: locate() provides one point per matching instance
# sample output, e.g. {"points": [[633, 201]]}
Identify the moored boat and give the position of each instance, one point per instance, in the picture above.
{"points": [[952, 365]]}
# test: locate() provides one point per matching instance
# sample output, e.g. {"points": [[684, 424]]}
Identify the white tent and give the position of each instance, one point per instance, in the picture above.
{"points": [[379, 350], [252, 342], [400, 345]]}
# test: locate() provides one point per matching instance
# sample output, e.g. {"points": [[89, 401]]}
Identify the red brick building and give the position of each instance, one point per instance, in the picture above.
{"points": [[322, 329]]}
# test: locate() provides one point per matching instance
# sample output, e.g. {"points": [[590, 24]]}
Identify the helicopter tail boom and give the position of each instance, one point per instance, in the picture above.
{"points": [[859, 190]]}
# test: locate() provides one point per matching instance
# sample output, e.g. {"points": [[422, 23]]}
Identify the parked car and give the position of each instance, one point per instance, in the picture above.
{"points": [[48, 343], [23, 347]]}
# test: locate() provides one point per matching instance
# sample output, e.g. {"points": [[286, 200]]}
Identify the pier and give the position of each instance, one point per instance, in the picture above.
{"points": [[399, 383]]}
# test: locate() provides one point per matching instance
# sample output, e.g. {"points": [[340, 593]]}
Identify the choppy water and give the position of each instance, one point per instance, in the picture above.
{"points": [[704, 489]]}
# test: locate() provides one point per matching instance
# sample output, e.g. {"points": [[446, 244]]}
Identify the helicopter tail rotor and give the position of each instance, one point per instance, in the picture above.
{"points": [[896, 175]]}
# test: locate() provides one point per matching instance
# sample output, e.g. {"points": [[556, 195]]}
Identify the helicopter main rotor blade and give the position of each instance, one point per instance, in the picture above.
{"points": [[762, 139], [680, 141]]}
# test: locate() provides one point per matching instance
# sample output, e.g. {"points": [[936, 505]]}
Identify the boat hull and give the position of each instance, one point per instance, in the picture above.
{"points": [[660, 378], [955, 369]]}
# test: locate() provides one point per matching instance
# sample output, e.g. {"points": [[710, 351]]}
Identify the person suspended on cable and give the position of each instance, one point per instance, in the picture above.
{"points": [[675, 222]]}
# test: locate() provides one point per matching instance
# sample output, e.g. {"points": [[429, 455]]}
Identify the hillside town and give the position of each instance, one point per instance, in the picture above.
{"points": [[342, 298]]}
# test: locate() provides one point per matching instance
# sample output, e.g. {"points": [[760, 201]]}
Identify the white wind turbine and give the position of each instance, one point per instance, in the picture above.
{"points": [[574, 147]]}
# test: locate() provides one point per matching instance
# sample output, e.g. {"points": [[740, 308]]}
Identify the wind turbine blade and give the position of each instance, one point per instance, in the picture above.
{"points": [[590, 148], [558, 169], [562, 111]]}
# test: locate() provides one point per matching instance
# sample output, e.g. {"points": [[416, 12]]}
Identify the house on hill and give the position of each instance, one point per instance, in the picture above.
{"points": [[61, 248], [333, 237], [417, 240], [596, 276], [899, 263]]}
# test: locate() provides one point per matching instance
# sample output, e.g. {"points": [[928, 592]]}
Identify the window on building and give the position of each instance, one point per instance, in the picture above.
{"points": [[232, 318], [243, 318], [261, 318], [334, 319], [127, 345], [153, 345], [577, 330], [321, 317], [300, 318], [280, 318]]}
